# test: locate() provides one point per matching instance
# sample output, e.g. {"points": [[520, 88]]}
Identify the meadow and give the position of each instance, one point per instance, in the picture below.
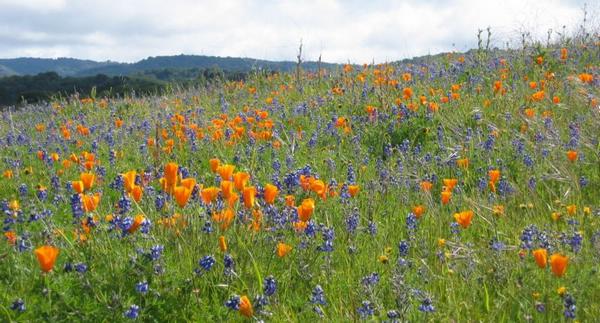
{"points": [[458, 188]]}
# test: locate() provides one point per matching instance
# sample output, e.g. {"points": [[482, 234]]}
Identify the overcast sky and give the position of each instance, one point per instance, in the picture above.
{"points": [[355, 30]]}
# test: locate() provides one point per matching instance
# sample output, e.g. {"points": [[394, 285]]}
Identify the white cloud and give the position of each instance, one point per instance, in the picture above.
{"points": [[340, 30]]}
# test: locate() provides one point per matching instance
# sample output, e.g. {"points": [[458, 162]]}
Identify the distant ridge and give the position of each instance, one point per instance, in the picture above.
{"points": [[79, 67]]}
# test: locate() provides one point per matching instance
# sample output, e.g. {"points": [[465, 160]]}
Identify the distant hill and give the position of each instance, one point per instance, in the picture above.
{"points": [[62, 66], [78, 67]]}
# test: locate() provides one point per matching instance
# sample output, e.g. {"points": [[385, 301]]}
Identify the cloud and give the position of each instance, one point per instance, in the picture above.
{"points": [[341, 31]]}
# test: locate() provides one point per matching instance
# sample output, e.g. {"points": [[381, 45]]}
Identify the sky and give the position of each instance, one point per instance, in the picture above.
{"points": [[356, 31]]}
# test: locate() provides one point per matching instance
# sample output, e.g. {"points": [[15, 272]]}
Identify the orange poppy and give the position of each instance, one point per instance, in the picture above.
{"points": [[558, 264], [290, 200], [214, 164], [572, 155], [446, 196], [353, 190], [227, 188], [222, 243], [137, 222], [171, 174], [209, 194], [11, 237], [494, 175], [283, 249], [46, 256], [129, 180], [240, 179], [541, 257], [450, 183], [418, 211], [90, 202], [464, 218], [270, 193], [246, 307], [136, 193], [226, 171], [305, 210], [182, 195], [426, 186], [249, 195], [188, 183], [224, 218], [77, 186]]}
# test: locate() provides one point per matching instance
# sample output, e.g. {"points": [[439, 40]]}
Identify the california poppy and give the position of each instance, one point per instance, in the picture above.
{"points": [[494, 175], [306, 209], [249, 195], [558, 264], [214, 164], [136, 193], [318, 186], [246, 307], [446, 196], [209, 194], [222, 243], [299, 226], [8, 174], [541, 257], [462, 163], [129, 180], [226, 171], [240, 179], [90, 202], [171, 174], [418, 211], [450, 183], [77, 186], [137, 222], [11, 237], [426, 186], [572, 155], [227, 188], [353, 190], [189, 183], [283, 249], [270, 193], [46, 256], [182, 195], [290, 200], [224, 218], [464, 218]]}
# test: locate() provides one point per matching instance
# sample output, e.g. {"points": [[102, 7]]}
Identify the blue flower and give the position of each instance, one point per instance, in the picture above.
{"points": [[142, 287], [403, 246], [18, 305], [81, 268], [370, 279], [233, 303], [156, 252], [206, 263], [426, 305], [366, 309], [270, 286], [132, 312], [318, 296], [570, 306]]}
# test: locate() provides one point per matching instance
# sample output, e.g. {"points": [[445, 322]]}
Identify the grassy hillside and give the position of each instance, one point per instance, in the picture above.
{"points": [[460, 188]]}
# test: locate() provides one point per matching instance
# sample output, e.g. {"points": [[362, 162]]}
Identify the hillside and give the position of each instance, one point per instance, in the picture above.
{"points": [[455, 188]]}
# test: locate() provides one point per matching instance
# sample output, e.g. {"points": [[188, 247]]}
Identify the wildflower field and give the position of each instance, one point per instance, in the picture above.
{"points": [[459, 188]]}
